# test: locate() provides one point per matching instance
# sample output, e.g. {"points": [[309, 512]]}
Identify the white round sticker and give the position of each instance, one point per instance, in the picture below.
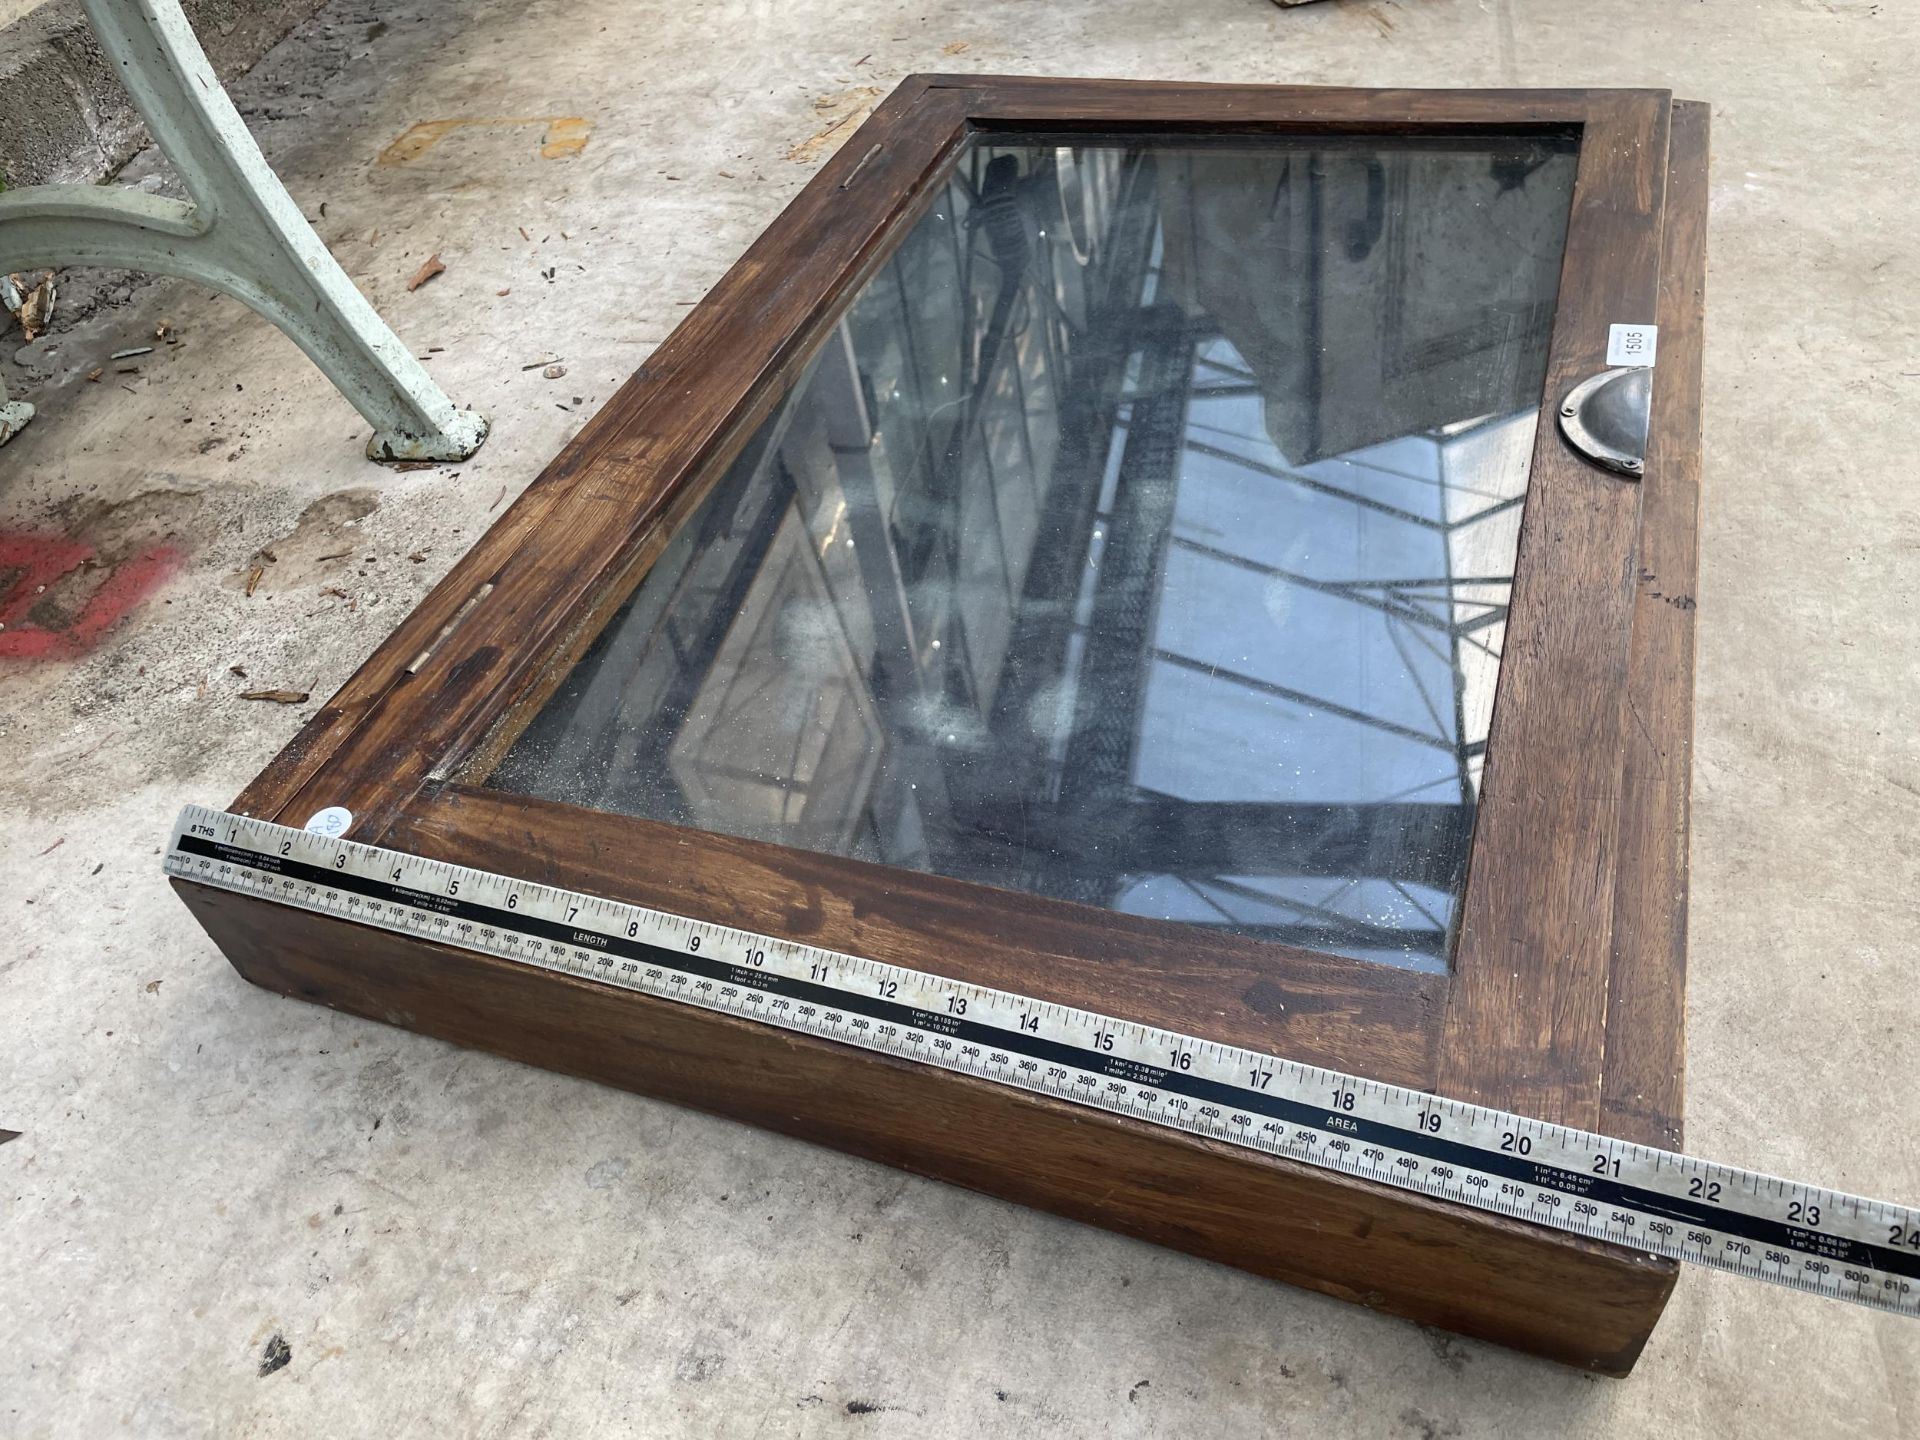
{"points": [[331, 822]]}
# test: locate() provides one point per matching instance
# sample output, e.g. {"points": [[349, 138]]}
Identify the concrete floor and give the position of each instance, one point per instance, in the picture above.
{"points": [[448, 1244]]}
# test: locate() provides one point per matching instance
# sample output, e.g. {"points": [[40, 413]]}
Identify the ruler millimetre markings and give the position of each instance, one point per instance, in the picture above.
{"points": [[1804, 1236]]}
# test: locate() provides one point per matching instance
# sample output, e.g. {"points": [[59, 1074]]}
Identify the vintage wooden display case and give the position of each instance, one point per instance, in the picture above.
{"points": [[1073, 550]]}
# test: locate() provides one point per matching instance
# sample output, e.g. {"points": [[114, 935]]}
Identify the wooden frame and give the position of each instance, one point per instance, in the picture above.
{"points": [[1565, 1000]]}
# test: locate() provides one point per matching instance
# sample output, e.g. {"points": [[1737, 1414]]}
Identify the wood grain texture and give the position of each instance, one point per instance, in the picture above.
{"points": [[1644, 1071], [1526, 1017], [1021, 101], [1560, 1296], [1224, 987], [1566, 1000]]}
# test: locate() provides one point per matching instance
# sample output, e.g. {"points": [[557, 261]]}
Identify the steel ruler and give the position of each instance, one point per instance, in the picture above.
{"points": [[1805, 1236]]}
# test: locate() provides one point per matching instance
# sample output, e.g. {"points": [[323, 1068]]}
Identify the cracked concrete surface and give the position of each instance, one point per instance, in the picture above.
{"points": [[231, 1213]]}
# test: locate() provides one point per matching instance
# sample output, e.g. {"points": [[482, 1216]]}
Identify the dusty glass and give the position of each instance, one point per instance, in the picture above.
{"points": [[1141, 537]]}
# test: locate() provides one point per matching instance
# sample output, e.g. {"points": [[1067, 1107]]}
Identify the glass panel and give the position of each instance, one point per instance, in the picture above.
{"points": [[1141, 537]]}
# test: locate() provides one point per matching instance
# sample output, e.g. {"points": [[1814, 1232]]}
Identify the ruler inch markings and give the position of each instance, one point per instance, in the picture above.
{"points": [[1806, 1237]]}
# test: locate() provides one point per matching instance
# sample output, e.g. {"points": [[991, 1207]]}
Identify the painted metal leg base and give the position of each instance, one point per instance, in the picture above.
{"points": [[242, 235], [14, 415], [465, 433]]}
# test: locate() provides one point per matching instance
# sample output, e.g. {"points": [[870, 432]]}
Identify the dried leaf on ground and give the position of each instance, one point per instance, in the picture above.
{"points": [[31, 302], [278, 697], [426, 272], [253, 579]]}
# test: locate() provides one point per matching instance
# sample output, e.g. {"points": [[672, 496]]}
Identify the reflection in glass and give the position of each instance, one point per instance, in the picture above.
{"points": [[1142, 537]]}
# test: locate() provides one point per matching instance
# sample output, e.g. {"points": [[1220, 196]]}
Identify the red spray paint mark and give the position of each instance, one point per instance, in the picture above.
{"points": [[35, 571]]}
